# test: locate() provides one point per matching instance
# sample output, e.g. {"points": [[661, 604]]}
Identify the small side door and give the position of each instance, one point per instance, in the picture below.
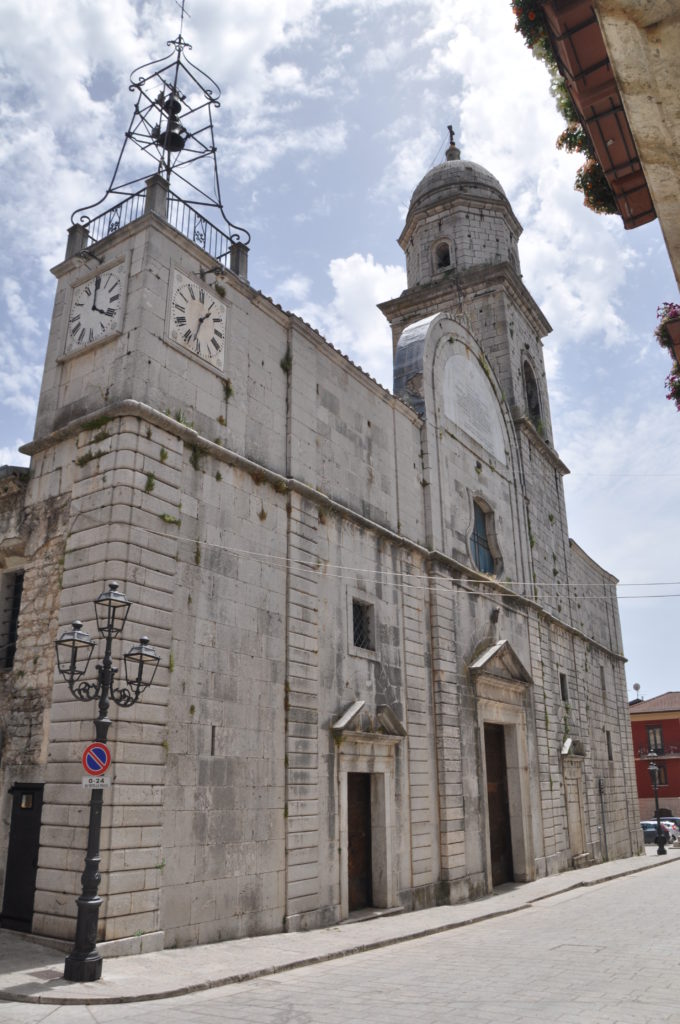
{"points": [[22, 856]]}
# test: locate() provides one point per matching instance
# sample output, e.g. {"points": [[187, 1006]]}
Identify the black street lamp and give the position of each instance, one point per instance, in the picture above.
{"points": [[74, 650], [660, 835]]}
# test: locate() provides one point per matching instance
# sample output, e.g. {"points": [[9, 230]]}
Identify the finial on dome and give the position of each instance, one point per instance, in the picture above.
{"points": [[452, 153]]}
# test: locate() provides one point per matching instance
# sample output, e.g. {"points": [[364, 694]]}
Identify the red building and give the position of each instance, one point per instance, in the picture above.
{"points": [[656, 730]]}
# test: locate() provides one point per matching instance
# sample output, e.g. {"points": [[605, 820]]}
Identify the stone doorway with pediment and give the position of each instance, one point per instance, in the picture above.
{"points": [[366, 745], [502, 690]]}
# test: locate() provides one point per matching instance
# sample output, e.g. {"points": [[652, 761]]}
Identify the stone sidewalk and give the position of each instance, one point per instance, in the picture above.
{"points": [[31, 972]]}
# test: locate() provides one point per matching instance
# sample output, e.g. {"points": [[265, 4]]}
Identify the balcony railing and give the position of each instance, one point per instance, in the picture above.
{"points": [[178, 213], [193, 225], [117, 217]]}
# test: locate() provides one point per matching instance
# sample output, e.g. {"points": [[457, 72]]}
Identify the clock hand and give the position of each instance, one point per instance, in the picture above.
{"points": [[95, 307], [198, 327]]}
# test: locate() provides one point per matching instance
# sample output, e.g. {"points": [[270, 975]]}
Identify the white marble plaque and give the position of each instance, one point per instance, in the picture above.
{"points": [[470, 402]]}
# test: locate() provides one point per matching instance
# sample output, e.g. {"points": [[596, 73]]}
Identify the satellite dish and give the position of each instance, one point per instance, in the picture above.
{"points": [[636, 687]]}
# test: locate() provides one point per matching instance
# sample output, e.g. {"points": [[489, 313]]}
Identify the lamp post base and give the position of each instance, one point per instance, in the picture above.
{"points": [[79, 968]]}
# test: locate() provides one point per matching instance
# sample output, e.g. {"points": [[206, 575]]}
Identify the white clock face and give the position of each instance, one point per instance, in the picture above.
{"points": [[198, 320], [95, 309]]}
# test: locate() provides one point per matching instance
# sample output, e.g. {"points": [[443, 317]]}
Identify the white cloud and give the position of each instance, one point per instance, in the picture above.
{"points": [[637, 445], [19, 377], [18, 307], [254, 154], [412, 146], [383, 57], [296, 287], [11, 456], [351, 320]]}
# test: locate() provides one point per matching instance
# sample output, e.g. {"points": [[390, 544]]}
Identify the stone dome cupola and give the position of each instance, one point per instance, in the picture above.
{"points": [[459, 218]]}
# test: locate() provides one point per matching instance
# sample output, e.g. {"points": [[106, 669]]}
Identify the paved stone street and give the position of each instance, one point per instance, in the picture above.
{"points": [[608, 953]]}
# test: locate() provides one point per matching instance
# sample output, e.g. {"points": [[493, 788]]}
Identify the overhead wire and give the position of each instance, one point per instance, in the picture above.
{"points": [[424, 581]]}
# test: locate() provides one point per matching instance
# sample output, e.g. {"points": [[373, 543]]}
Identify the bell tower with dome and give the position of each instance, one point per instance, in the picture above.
{"points": [[463, 270], [461, 244]]}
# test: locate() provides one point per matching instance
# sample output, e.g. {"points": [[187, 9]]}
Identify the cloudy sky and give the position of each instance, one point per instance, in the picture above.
{"points": [[331, 112]]}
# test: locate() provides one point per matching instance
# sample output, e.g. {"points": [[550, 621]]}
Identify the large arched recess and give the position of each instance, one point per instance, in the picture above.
{"points": [[469, 440]]}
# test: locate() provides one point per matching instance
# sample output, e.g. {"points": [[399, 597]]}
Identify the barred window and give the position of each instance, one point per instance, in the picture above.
{"points": [[362, 625]]}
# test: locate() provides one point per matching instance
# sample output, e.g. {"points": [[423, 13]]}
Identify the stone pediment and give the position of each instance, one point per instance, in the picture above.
{"points": [[357, 724], [500, 662]]}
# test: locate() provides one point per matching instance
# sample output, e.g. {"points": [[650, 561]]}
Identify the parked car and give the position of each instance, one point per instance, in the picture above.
{"points": [[670, 817], [673, 830], [649, 831]]}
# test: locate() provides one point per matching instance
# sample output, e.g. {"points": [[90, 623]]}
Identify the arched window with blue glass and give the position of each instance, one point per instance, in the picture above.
{"points": [[480, 545]]}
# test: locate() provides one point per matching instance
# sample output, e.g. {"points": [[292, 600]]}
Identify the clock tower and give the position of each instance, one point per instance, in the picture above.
{"points": [[145, 337], [141, 312]]}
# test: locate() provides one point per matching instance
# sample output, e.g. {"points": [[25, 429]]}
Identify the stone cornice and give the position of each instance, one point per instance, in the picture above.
{"points": [[524, 424], [501, 275], [283, 483]]}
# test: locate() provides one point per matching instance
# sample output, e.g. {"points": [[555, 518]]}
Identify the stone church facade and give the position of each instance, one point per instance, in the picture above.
{"points": [[388, 678]]}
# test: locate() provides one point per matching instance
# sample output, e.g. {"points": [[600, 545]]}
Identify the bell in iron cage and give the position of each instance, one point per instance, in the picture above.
{"points": [[174, 135]]}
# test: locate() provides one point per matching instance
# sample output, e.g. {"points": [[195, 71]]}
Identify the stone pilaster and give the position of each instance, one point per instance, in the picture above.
{"points": [[447, 727], [422, 783], [302, 720], [123, 525]]}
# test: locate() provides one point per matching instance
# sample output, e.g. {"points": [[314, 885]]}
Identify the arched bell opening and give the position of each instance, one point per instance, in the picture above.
{"points": [[442, 256]]}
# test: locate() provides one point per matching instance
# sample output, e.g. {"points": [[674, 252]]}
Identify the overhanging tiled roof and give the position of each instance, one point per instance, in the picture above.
{"points": [[664, 702], [584, 63]]}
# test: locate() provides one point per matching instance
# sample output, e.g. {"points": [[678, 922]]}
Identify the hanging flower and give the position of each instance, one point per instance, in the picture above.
{"points": [[673, 386], [597, 194], [529, 21], [665, 312]]}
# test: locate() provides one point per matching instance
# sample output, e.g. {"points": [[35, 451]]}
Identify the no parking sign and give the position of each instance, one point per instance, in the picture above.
{"points": [[96, 758]]}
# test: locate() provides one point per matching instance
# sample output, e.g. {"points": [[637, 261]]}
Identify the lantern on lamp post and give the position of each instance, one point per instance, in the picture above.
{"points": [[74, 650]]}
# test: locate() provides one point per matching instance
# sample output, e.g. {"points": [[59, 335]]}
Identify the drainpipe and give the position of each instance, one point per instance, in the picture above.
{"points": [[600, 786]]}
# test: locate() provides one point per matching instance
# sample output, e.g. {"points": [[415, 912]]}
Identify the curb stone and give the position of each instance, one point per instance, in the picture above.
{"points": [[140, 978]]}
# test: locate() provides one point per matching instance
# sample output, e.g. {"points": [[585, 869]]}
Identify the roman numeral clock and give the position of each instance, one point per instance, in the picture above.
{"points": [[96, 311], [197, 319]]}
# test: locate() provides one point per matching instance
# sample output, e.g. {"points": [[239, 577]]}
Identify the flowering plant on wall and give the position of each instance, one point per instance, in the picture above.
{"points": [[529, 21], [590, 178], [592, 181], [673, 386], [665, 314]]}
